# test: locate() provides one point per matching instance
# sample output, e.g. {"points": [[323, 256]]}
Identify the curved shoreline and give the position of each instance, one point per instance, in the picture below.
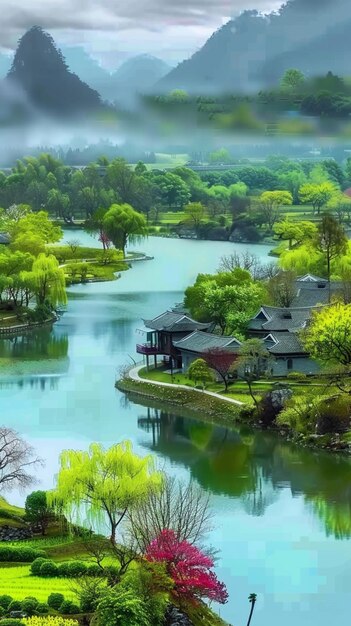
{"points": [[211, 407]]}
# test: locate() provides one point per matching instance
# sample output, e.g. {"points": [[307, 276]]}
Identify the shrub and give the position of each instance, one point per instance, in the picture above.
{"points": [[49, 621], [63, 570], [5, 601], [122, 607], [69, 608], [55, 600], [11, 622], [76, 569], [15, 605], [48, 569], [17, 555], [300, 376], [29, 605], [2, 611], [89, 592], [42, 608], [36, 565], [94, 570], [333, 415]]}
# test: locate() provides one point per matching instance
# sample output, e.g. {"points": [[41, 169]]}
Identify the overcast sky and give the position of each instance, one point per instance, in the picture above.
{"points": [[113, 30]]}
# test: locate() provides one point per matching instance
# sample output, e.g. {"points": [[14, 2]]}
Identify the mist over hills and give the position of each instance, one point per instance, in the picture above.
{"points": [[251, 50], [40, 71]]}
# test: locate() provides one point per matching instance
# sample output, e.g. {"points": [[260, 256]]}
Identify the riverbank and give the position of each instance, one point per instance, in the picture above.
{"points": [[216, 409]]}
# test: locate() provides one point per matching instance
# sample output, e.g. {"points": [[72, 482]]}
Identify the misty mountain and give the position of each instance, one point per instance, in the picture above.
{"points": [[5, 65], [88, 69], [137, 75], [232, 58], [40, 71]]}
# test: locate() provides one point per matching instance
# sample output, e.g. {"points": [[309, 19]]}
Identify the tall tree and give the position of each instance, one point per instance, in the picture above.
{"points": [[328, 336], [123, 224], [17, 459], [104, 484], [331, 240], [317, 194], [49, 281]]}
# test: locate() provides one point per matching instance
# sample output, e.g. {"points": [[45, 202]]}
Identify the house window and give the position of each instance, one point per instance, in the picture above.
{"points": [[290, 364]]}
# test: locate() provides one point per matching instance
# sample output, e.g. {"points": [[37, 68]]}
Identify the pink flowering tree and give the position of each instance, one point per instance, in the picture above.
{"points": [[189, 568]]}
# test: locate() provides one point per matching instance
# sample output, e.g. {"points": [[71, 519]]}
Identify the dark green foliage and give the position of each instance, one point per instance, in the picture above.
{"points": [[76, 569], [94, 570], [63, 570], [5, 601], [15, 605], [48, 569], [29, 606], [333, 415], [69, 608], [2, 611], [11, 622], [42, 608], [36, 565], [55, 600], [20, 555]]}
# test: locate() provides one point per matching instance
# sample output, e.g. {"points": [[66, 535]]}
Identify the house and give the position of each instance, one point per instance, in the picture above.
{"points": [[288, 354], [163, 331], [312, 291], [4, 238], [195, 346], [278, 319]]}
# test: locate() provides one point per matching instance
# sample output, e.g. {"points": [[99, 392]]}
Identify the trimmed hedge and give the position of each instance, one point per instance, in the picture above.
{"points": [[20, 555], [70, 569]]}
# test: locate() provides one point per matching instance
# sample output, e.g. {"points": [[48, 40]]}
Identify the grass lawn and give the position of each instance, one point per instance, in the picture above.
{"points": [[18, 583]]}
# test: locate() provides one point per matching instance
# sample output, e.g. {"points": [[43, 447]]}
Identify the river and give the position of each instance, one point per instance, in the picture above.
{"points": [[282, 515]]}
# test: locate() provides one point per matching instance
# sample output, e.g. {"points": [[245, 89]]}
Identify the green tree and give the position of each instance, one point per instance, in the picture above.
{"points": [[328, 336], [104, 484], [37, 509], [38, 223], [331, 240], [195, 213], [254, 361], [292, 80], [59, 204], [269, 203], [123, 224], [340, 205], [296, 232], [200, 371], [220, 156], [292, 180], [121, 607], [49, 281], [317, 194]]}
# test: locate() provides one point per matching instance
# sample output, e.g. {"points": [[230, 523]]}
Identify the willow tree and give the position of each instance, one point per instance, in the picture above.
{"points": [[122, 224], [104, 484], [48, 280]]}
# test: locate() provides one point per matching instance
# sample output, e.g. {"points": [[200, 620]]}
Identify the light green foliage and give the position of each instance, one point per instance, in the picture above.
{"points": [[228, 299], [103, 484], [269, 204], [195, 213], [122, 224], [328, 336], [121, 607], [48, 280], [200, 372], [220, 156], [302, 260], [296, 232], [292, 80], [38, 223], [317, 194], [340, 205], [19, 583]]}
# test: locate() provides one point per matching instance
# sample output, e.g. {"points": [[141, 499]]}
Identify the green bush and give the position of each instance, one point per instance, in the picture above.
{"points": [[11, 622], [2, 611], [48, 569], [333, 415], [29, 606], [5, 601], [63, 569], [15, 605], [94, 570], [122, 607], [42, 608], [69, 608], [300, 376], [20, 555], [36, 565], [55, 600], [76, 569]]}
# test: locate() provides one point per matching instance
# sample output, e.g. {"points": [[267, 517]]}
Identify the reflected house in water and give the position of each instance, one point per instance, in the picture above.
{"points": [[161, 333]]}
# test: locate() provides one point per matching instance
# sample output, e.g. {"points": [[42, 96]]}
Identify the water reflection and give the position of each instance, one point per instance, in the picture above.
{"points": [[40, 356], [253, 467]]}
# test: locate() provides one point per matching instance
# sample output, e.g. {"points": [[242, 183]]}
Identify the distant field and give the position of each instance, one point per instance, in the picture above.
{"points": [[164, 161], [18, 583]]}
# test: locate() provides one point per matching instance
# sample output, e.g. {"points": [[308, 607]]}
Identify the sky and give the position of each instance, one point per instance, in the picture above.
{"points": [[113, 30]]}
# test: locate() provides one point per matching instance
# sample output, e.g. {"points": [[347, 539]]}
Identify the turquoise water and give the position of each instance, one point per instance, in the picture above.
{"points": [[282, 516]]}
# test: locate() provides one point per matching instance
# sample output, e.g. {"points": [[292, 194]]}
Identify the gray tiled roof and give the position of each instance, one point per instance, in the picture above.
{"points": [[271, 318], [286, 343], [199, 341], [309, 294], [174, 323]]}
